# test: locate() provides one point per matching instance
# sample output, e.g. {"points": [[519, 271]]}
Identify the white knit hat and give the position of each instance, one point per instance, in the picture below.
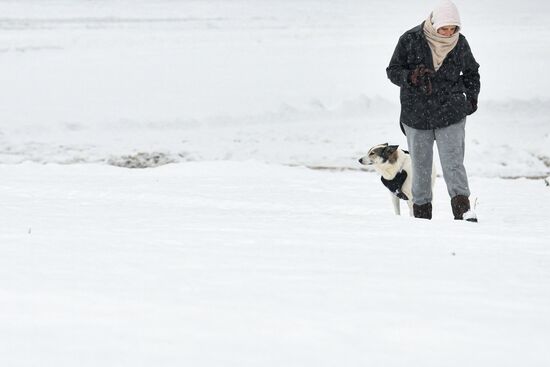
{"points": [[446, 13]]}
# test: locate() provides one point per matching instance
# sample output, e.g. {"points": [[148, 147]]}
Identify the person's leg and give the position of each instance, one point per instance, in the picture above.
{"points": [[420, 144], [451, 146]]}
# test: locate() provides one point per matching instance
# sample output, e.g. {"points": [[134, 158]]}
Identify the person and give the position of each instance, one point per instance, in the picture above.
{"points": [[439, 85]]}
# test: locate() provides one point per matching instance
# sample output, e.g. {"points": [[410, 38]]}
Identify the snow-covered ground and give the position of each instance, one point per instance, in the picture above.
{"points": [[232, 252], [250, 264]]}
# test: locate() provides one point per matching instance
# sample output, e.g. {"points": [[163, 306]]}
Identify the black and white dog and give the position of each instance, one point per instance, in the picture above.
{"points": [[394, 165]]}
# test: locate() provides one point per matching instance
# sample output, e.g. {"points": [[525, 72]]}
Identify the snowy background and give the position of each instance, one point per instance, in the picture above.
{"points": [[239, 255], [293, 82]]}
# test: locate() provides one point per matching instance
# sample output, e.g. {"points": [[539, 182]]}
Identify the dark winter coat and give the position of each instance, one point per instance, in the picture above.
{"points": [[455, 86]]}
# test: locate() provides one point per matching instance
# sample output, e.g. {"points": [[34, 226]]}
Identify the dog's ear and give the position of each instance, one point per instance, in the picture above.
{"points": [[389, 150]]}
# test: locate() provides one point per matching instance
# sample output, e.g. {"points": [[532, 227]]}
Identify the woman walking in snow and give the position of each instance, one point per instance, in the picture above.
{"points": [[439, 81]]}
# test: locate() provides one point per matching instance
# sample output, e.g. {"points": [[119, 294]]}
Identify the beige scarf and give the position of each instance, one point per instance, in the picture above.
{"points": [[440, 45]]}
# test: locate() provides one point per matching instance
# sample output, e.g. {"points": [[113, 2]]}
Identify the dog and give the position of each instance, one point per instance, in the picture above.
{"points": [[394, 165]]}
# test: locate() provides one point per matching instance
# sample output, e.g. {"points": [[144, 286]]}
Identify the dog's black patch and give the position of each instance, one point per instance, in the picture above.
{"points": [[395, 184]]}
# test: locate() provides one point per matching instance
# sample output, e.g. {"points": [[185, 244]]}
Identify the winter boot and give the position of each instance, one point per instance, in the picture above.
{"points": [[423, 211], [461, 209]]}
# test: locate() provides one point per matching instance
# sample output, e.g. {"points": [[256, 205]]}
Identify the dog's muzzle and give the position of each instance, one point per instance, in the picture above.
{"points": [[365, 161]]}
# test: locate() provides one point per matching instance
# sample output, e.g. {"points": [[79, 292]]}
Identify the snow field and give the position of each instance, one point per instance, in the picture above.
{"points": [[222, 260], [241, 264]]}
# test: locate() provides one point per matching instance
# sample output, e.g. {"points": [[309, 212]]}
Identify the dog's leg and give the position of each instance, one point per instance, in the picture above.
{"points": [[410, 204], [396, 204]]}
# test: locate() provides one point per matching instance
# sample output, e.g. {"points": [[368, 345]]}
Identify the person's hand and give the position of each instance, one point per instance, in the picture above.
{"points": [[421, 77], [472, 103]]}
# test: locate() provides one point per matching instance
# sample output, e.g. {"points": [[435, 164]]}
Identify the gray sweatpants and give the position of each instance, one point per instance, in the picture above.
{"points": [[450, 144]]}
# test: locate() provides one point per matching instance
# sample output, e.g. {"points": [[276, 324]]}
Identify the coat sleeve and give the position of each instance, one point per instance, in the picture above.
{"points": [[398, 71], [470, 73]]}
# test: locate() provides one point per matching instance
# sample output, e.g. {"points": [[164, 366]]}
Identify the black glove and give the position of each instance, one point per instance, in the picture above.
{"points": [[472, 104], [421, 77]]}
